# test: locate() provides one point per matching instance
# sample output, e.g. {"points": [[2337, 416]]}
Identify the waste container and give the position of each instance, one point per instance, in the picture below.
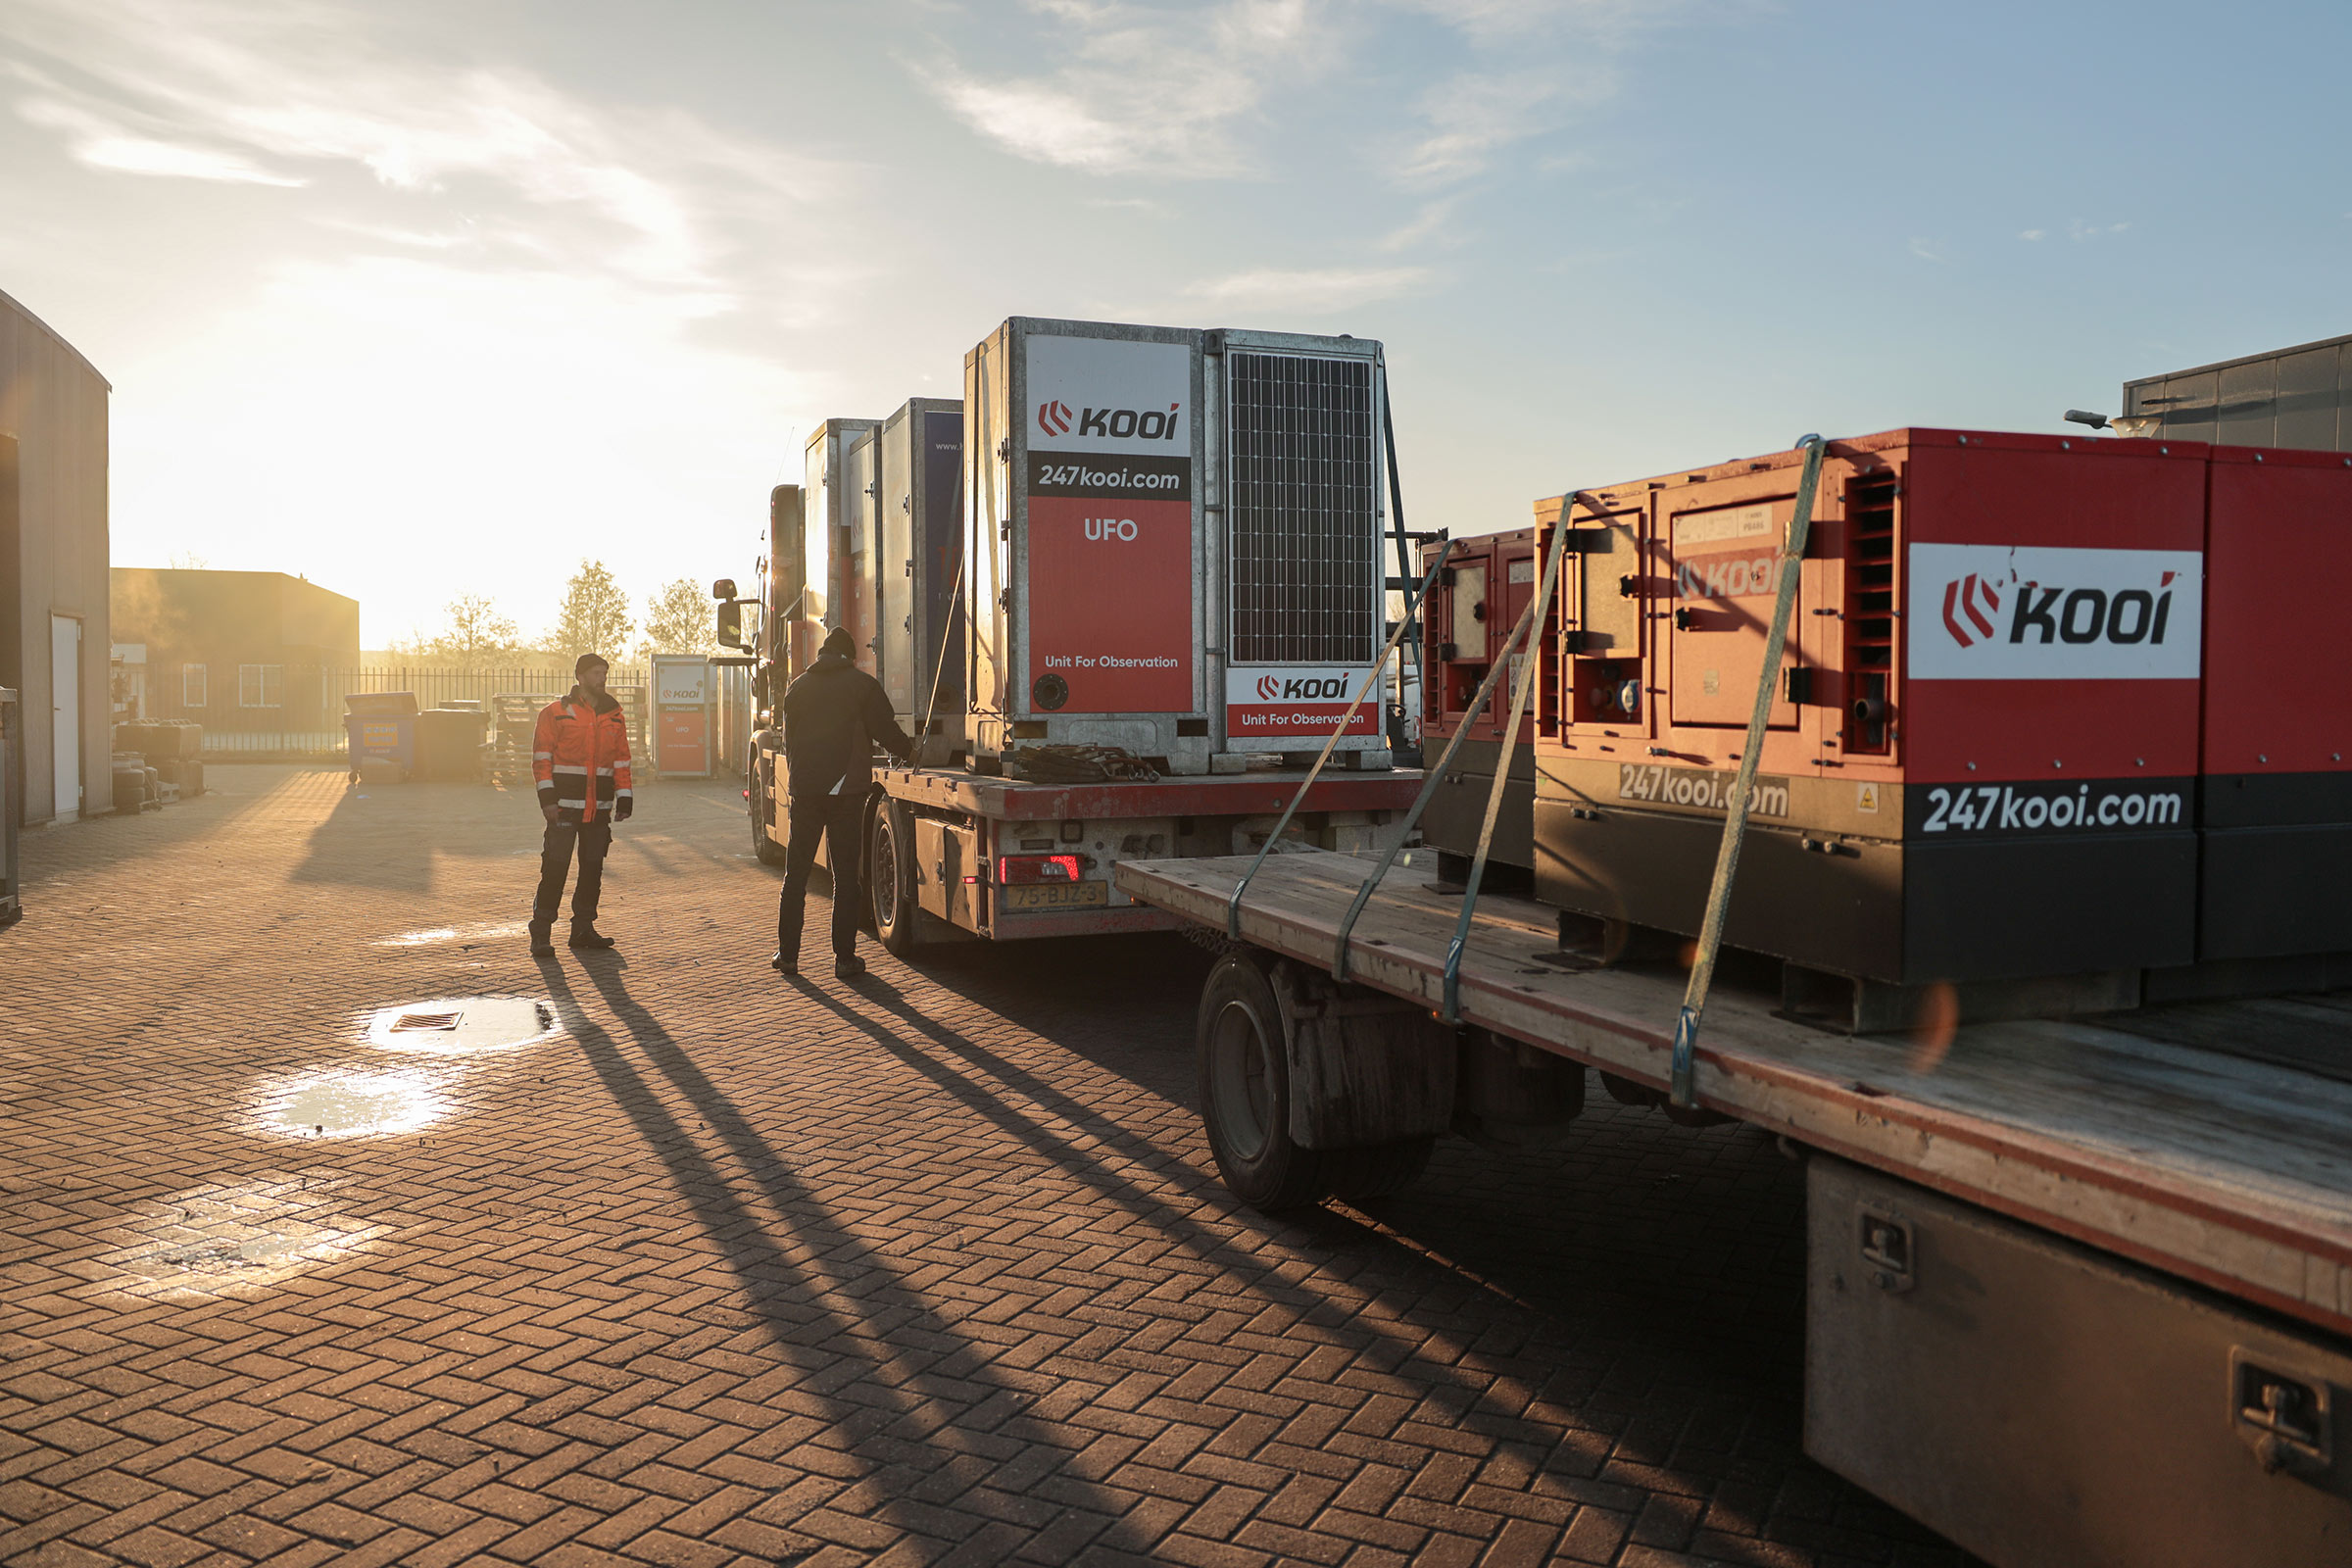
{"points": [[448, 744], [382, 729], [11, 905], [128, 771]]}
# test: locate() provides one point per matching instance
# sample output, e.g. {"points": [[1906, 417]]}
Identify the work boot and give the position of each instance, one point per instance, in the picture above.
{"points": [[586, 936], [848, 967], [783, 965], [542, 944]]}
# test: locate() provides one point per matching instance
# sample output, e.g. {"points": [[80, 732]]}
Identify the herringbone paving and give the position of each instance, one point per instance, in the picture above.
{"points": [[729, 1268]]}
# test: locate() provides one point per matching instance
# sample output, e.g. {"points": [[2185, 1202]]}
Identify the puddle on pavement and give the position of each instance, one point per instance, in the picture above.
{"points": [[435, 936], [216, 1241], [462, 1026], [354, 1104]]}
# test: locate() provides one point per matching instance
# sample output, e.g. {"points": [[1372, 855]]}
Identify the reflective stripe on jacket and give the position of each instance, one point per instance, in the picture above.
{"points": [[581, 755]]}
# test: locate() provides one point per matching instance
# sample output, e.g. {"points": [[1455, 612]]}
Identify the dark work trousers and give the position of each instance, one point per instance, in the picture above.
{"points": [[836, 820], [555, 860]]}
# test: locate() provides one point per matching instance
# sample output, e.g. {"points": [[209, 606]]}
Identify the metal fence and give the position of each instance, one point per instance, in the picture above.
{"points": [[305, 718]]}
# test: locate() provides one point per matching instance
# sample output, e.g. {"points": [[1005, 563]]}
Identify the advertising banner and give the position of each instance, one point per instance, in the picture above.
{"points": [[2046, 612], [1300, 702], [1110, 526]]}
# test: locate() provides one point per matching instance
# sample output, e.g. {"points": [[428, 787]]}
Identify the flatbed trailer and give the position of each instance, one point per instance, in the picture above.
{"points": [[2080, 1291], [953, 855]]}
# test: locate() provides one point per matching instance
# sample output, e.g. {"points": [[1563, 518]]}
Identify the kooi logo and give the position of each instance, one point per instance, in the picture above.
{"points": [[1053, 418], [1299, 688], [2041, 615], [1972, 596]]}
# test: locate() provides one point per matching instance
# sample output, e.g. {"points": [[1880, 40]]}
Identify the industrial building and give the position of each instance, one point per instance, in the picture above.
{"points": [[241, 653], [53, 636]]}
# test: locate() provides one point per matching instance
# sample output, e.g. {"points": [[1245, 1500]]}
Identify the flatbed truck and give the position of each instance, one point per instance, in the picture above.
{"points": [[2078, 1292]]}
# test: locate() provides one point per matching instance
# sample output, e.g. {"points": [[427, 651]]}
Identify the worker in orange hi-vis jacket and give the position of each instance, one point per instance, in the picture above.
{"points": [[580, 757]]}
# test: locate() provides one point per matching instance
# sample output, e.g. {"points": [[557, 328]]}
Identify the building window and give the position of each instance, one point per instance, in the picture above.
{"points": [[261, 685], [192, 693]]}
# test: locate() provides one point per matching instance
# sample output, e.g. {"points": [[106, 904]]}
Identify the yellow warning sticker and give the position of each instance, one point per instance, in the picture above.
{"points": [[1866, 797]]}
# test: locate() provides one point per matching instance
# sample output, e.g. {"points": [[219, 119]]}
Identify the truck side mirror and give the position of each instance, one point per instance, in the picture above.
{"points": [[730, 623], [724, 588]]}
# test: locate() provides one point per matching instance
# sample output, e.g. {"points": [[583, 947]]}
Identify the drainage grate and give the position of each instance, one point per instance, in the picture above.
{"points": [[1302, 508], [413, 1023]]}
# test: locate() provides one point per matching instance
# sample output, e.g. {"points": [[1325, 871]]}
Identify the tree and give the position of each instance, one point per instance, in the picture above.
{"points": [[593, 614], [679, 619], [476, 631]]}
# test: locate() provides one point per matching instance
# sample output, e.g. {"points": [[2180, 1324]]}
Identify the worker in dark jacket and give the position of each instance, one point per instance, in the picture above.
{"points": [[834, 717], [581, 758]]}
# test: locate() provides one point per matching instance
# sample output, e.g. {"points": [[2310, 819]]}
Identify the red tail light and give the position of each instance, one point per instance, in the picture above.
{"points": [[1015, 869]]}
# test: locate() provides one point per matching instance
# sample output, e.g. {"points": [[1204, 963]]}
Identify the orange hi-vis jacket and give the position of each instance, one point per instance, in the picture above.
{"points": [[580, 757]]}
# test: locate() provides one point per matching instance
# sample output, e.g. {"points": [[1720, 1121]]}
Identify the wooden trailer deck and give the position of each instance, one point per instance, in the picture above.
{"points": [[2232, 1172]]}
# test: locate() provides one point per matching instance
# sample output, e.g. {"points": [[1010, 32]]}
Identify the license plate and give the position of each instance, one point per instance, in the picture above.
{"points": [[1058, 895]]}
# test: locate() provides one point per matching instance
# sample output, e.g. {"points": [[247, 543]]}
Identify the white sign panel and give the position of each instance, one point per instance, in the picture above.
{"points": [[1095, 394], [2042, 612], [682, 684]]}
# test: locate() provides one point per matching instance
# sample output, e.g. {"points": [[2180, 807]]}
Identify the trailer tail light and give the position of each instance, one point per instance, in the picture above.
{"points": [[1016, 871]]}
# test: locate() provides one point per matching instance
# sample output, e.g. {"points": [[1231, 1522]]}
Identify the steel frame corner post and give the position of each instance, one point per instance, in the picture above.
{"points": [[1685, 1065], [1531, 668], [1436, 772], [1233, 905]]}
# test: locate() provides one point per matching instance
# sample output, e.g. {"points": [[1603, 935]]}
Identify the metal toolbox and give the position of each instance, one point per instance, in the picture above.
{"points": [[2046, 1405]]}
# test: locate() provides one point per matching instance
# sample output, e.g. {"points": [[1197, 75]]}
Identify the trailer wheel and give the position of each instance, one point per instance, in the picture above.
{"points": [[890, 881], [1378, 1170], [764, 845], [1246, 1092]]}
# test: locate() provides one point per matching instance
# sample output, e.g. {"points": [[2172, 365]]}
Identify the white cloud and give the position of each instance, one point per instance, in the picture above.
{"points": [[1431, 223], [101, 143], [1144, 90], [2033, 233], [308, 87], [1472, 116], [1306, 292], [1928, 250]]}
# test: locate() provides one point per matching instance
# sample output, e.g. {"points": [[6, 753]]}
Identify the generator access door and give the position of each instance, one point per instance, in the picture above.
{"points": [[1722, 569]]}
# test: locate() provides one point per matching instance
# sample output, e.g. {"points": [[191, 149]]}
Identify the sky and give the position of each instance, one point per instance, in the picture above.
{"points": [[425, 298]]}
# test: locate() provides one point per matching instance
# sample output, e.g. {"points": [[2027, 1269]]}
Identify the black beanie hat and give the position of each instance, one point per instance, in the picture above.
{"points": [[838, 641]]}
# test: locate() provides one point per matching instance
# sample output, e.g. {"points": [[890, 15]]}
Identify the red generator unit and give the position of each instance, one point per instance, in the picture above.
{"points": [[1475, 603], [2275, 755], [1983, 747]]}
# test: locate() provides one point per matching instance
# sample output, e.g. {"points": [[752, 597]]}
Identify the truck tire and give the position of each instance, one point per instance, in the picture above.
{"points": [[1378, 1170], [890, 880], [763, 843], [1246, 1092]]}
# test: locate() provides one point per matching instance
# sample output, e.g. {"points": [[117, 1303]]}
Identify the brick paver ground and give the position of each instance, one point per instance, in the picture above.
{"points": [[736, 1269]]}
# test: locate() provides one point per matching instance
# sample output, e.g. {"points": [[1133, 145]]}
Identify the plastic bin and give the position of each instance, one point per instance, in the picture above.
{"points": [[381, 727]]}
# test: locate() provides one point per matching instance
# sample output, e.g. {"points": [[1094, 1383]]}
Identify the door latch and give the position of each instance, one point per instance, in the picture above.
{"points": [[1885, 1243], [2283, 1417]]}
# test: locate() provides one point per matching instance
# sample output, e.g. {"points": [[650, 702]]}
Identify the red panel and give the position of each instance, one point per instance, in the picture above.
{"points": [[2278, 681], [682, 741], [2048, 491], [1110, 607]]}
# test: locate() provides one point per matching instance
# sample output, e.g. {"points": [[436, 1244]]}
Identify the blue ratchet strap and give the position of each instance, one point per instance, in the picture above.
{"points": [[1429, 785], [1735, 817], [1531, 665], [1233, 906]]}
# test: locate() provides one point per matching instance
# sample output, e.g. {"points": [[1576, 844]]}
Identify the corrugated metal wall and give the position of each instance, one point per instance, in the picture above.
{"points": [[2295, 398], [53, 560]]}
